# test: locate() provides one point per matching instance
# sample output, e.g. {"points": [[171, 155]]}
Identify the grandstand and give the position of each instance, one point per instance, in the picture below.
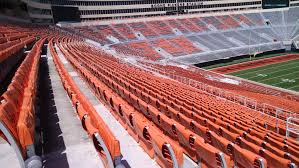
{"points": [[211, 37], [126, 93]]}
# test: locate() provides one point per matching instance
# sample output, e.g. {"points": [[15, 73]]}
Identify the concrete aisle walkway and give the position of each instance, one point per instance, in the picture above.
{"points": [[65, 142], [8, 157]]}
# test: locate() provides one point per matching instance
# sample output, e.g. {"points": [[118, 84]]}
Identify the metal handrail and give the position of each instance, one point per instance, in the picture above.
{"points": [[247, 102]]}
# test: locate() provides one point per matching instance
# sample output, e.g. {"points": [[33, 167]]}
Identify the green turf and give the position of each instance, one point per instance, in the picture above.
{"points": [[284, 75], [247, 59]]}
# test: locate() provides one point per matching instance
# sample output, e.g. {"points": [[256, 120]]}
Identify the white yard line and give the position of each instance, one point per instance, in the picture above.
{"points": [[277, 76], [265, 69], [283, 82], [275, 72]]}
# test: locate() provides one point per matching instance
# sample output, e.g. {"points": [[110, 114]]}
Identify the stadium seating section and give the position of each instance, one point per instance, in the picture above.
{"points": [[154, 100], [19, 72], [211, 131], [212, 37]]}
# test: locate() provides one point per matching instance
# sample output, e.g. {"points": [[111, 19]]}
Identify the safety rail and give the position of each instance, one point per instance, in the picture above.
{"points": [[278, 114], [292, 126]]}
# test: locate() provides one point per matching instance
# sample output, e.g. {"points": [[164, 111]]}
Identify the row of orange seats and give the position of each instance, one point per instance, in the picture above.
{"points": [[168, 47], [152, 140], [11, 50], [136, 52], [132, 121], [145, 48], [107, 30], [143, 29], [189, 25], [9, 63], [9, 44], [242, 91], [158, 117], [91, 121], [15, 36], [228, 20], [157, 91], [17, 104], [94, 34], [160, 27], [267, 153], [184, 43], [123, 49], [125, 30], [242, 19], [250, 92], [200, 24], [272, 119], [213, 21], [175, 24]]}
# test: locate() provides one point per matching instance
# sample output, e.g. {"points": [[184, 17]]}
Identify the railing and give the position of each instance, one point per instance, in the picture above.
{"points": [[279, 114], [292, 126]]}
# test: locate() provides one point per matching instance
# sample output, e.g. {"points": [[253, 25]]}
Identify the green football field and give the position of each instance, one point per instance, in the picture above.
{"points": [[284, 75]]}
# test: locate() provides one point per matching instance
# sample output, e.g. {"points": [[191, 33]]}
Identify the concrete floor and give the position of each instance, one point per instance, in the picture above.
{"points": [[65, 143], [8, 158]]}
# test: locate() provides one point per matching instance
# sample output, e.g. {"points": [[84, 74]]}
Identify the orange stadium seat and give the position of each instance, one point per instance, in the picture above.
{"points": [[168, 119], [17, 104]]}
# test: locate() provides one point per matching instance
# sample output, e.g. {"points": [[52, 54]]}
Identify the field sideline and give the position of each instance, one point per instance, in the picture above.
{"points": [[284, 74]]}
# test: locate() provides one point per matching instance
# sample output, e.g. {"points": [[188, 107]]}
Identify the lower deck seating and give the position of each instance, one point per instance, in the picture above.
{"points": [[169, 119], [171, 108], [138, 123]]}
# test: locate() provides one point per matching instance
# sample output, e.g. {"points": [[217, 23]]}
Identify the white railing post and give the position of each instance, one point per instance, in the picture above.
{"points": [[278, 110]]}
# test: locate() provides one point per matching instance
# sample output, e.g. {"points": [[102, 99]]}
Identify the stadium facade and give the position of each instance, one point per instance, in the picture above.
{"points": [[84, 10]]}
